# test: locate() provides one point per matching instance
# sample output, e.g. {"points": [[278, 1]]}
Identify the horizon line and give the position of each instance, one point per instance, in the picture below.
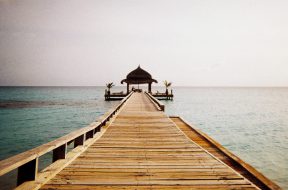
{"points": [[136, 84]]}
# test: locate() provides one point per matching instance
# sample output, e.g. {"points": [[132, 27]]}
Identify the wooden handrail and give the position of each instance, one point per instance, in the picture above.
{"points": [[14, 162], [113, 111], [157, 102], [27, 162]]}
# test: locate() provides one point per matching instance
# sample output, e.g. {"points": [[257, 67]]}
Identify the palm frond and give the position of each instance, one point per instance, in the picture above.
{"points": [[167, 84], [110, 85]]}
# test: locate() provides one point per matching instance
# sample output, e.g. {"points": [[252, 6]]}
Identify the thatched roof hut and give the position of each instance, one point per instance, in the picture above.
{"points": [[139, 76]]}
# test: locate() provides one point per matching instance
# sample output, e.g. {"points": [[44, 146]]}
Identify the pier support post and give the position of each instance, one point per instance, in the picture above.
{"points": [[27, 172]]}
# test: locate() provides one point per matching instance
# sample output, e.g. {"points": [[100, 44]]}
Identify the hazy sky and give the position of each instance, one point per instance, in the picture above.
{"points": [[188, 42]]}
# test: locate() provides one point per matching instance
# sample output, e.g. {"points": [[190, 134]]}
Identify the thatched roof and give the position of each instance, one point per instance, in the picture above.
{"points": [[138, 76]]}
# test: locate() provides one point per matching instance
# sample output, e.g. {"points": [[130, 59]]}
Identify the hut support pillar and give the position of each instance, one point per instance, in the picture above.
{"points": [[127, 88], [149, 87]]}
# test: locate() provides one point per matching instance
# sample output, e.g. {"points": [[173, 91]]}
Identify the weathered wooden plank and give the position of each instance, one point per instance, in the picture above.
{"points": [[129, 165], [139, 187], [156, 170], [142, 180]]}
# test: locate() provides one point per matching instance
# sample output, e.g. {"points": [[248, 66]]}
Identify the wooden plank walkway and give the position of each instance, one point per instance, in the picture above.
{"points": [[144, 149]]}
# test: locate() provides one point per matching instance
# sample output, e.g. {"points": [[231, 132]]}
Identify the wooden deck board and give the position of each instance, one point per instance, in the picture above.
{"points": [[144, 149]]}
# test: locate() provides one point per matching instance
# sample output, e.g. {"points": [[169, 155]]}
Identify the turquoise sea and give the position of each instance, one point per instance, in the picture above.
{"points": [[250, 122]]}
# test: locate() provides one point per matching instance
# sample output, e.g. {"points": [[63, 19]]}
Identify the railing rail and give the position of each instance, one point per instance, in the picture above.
{"points": [[27, 162], [157, 102]]}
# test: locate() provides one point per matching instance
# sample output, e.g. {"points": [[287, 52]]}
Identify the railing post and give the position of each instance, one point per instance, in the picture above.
{"points": [[89, 134], [162, 107], [60, 152], [27, 172], [79, 141], [95, 130], [98, 128]]}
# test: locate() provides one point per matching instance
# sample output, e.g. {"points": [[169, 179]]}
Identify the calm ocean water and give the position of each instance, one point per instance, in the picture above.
{"points": [[251, 122]]}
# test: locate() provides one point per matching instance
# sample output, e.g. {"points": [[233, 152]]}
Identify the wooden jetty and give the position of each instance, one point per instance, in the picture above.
{"points": [[136, 146]]}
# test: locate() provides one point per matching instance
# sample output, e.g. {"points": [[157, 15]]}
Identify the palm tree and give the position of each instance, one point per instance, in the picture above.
{"points": [[109, 86], [167, 85]]}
